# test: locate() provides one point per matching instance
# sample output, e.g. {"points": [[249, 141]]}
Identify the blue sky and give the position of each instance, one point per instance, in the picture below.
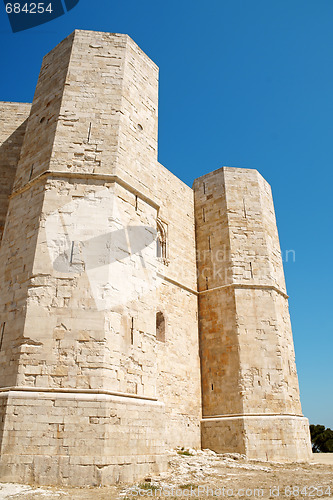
{"points": [[245, 84]]}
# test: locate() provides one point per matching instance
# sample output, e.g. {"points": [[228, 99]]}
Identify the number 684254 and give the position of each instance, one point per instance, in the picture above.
{"points": [[29, 8]]}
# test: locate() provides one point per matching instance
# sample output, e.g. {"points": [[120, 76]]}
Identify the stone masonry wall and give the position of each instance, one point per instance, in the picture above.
{"points": [[38, 144], [13, 121], [80, 438], [91, 283], [100, 319], [243, 310], [281, 438], [17, 254]]}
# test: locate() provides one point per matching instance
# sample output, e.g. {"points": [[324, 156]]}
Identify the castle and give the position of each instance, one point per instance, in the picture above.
{"points": [[136, 314]]}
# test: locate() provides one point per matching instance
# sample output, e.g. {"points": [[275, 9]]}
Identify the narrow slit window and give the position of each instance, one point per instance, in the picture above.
{"points": [[132, 331], [160, 326], [2, 334]]}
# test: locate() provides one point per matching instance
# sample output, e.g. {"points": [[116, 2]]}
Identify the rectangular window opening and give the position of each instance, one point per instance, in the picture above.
{"points": [[245, 214], [251, 270], [89, 133], [132, 331], [2, 333], [31, 172]]}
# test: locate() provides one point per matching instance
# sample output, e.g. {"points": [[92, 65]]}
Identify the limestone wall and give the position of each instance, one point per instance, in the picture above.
{"points": [[110, 267], [80, 438], [38, 143], [17, 254], [247, 354], [91, 282], [281, 438], [13, 121]]}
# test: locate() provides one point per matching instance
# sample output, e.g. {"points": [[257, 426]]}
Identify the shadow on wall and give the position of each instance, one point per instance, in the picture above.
{"points": [[9, 156]]}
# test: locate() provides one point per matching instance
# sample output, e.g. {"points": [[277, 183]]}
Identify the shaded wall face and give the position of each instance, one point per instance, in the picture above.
{"points": [[21, 233], [178, 382], [17, 253], [38, 143], [13, 122], [219, 352]]}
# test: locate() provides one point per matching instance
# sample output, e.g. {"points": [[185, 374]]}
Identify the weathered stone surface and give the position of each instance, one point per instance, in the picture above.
{"points": [[104, 256], [13, 122], [250, 391]]}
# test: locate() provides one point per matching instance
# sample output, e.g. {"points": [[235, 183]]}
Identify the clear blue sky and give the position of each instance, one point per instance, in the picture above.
{"points": [[246, 84]]}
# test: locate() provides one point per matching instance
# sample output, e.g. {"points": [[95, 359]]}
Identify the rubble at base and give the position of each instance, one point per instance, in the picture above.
{"points": [[189, 467]]}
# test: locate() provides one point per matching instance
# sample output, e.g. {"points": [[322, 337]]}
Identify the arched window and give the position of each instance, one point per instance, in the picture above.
{"points": [[161, 243], [160, 326]]}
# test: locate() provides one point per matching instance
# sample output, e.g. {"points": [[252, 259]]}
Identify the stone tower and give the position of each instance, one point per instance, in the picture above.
{"points": [[250, 395], [101, 310]]}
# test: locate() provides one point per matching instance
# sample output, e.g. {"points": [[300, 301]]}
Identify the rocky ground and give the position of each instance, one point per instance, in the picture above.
{"points": [[203, 474]]}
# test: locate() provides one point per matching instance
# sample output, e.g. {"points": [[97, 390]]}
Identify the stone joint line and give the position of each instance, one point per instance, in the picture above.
{"points": [[250, 286]]}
